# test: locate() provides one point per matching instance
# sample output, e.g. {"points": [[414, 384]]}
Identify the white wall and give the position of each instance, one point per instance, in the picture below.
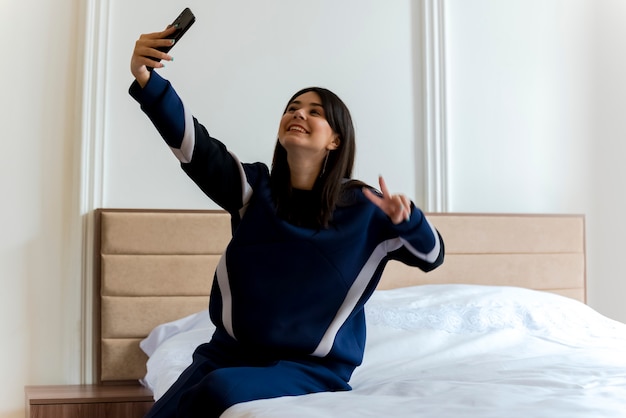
{"points": [[535, 100], [40, 292], [519, 87], [607, 149]]}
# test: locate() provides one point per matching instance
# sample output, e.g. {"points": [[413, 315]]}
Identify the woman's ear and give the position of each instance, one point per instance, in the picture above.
{"points": [[334, 144]]}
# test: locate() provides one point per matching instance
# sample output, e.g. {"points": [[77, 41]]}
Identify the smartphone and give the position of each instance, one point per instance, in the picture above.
{"points": [[184, 21]]}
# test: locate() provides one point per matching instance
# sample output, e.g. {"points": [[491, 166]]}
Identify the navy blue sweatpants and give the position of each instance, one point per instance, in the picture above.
{"points": [[223, 373]]}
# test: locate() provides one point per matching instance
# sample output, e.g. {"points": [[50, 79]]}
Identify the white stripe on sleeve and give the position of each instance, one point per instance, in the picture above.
{"points": [[227, 300], [433, 254], [185, 152]]}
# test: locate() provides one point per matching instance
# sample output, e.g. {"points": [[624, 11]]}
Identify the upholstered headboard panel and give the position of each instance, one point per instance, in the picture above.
{"points": [[542, 252], [155, 266]]}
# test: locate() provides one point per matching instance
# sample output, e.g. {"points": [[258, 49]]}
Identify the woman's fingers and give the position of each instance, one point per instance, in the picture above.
{"points": [[161, 35], [150, 50], [383, 186], [397, 207], [405, 215], [146, 48]]}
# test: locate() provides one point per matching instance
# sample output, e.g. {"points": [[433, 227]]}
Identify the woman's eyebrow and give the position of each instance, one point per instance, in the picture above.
{"points": [[298, 102]]}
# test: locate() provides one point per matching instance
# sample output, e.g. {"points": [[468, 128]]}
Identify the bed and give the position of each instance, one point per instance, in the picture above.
{"points": [[501, 329]]}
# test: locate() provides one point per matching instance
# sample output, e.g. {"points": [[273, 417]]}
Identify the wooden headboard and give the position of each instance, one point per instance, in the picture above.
{"points": [[155, 266]]}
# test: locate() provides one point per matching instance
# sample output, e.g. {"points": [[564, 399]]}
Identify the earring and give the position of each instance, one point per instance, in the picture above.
{"points": [[325, 162]]}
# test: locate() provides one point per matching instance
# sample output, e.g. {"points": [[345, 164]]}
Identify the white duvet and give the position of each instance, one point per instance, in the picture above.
{"points": [[449, 351]]}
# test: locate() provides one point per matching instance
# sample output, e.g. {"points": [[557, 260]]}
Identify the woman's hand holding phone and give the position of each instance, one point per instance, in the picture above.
{"points": [[147, 49], [151, 48]]}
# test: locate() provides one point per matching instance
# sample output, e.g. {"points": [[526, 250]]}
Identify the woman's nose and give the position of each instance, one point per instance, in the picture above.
{"points": [[299, 113]]}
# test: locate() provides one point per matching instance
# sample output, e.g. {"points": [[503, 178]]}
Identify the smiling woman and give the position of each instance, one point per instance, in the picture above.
{"points": [[309, 247], [308, 138]]}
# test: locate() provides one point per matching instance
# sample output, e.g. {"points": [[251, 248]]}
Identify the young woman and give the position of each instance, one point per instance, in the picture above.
{"points": [[309, 246]]}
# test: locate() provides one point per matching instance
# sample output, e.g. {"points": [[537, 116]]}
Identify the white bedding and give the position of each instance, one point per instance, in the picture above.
{"points": [[449, 351]]}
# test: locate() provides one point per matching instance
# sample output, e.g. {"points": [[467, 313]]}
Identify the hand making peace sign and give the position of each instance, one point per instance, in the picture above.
{"points": [[396, 206]]}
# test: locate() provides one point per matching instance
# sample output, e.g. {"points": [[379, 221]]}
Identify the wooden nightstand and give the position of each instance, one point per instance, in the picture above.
{"points": [[87, 401]]}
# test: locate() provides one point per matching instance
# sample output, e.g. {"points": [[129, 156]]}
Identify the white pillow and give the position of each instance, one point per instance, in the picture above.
{"points": [[163, 332], [173, 356], [475, 308]]}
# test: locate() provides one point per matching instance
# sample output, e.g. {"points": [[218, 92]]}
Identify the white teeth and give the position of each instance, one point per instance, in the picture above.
{"points": [[297, 129]]}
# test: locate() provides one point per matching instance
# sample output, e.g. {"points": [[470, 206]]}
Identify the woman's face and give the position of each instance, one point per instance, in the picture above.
{"points": [[304, 127]]}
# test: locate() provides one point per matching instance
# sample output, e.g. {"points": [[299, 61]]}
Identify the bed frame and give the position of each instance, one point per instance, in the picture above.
{"points": [[155, 266]]}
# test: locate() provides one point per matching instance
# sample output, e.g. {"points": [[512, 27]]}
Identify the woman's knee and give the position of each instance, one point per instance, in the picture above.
{"points": [[212, 396]]}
